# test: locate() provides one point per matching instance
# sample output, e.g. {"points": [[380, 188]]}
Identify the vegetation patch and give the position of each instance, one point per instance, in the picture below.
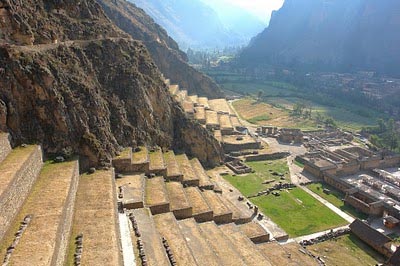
{"points": [[336, 198], [346, 250], [294, 210]]}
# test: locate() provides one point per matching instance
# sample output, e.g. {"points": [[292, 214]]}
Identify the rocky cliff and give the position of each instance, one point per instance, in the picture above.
{"points": [[74, 82], [334, 35], [164, 51]]}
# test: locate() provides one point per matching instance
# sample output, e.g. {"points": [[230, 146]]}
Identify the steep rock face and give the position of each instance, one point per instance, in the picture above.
{"points": [[88, 96], [164, 51], [332, 35]]}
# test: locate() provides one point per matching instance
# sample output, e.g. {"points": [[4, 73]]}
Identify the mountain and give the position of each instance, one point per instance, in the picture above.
{"points": [[163, 49], [334, 35], [196, 25], [73, 81]]}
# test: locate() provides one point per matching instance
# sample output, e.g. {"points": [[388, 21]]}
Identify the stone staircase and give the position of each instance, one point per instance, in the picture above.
{"points": [[44, 206], [181, 220], [51, 215]]}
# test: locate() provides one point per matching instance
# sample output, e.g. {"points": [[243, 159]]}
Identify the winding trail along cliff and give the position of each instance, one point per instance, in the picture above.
{"points": [[74, 82], [163, 49]]}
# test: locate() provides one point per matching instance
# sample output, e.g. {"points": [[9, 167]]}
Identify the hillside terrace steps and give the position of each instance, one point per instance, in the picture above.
{"points": [[51, 205], [200, 114], [238, 216], [179, 203], [199, 246], [18, 173], [168, 227], [131, 188], [173, 171], [151, 239], [96, 219], [203, 101], [225, 124], [5, 147], [204, 179], [212, 121], [255, 232], [194, 99], [201, 211], [190, 178], [130, 161], [220, 106], [156, 162], [156, 195], [221, 213], [173, 89], [221, 245], [246, 249]]}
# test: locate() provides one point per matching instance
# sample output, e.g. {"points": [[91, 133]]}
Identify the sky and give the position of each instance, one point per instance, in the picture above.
{"points": [[261, 8]]}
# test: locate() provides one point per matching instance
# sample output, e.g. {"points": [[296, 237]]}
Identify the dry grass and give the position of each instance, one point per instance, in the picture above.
{"points": [[177, 196], [215, 203], [346, 250], [124, 154], [246, 139], [196, 200], [220, 105], [95, 217], [225, 121], [172, 164], [186, 168], [285, 255], [155, 191], [156, 160], [141, 156], [12, 163], [45, 203], [265, 114], [200, 113], [252, 229], [212, 118], [204, 102]]}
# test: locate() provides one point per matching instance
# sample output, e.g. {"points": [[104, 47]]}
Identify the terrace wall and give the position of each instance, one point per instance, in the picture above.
{"points": [[64, 229], [12, 200], [5, 146]]}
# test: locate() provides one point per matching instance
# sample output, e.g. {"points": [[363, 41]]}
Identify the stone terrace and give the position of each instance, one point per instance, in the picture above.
{"points": [[96, 219], [51, 205]]}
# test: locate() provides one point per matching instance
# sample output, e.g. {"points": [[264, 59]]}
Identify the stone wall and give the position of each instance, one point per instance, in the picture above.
{"points": [[5, 146], [158, 209], [203, 217], [370, 163], [269, 156], [223, 218], [312, 170], [64, 228], [14, 196], [336, 183], [183, 213], [115, 215], [238, 147]]}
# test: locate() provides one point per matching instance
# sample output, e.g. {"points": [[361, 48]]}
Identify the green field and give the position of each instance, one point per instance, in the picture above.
{"points": [[284, 95], [335, 197], [250, 184], [294, 210]]}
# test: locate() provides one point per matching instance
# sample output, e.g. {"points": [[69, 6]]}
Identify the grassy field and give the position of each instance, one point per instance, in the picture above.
{"points": [[261, 113], [335, 197], [294, 210], [251, 183], [283, 95], [347, 250]]}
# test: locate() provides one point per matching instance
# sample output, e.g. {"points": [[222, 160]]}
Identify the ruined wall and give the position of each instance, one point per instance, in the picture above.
{"points": [[336, 183], [370, 163], [5, 146], [64, 229], [238, 147], [312, 170], [14, 197], [390, 161], [349, 169], [270, 156]]}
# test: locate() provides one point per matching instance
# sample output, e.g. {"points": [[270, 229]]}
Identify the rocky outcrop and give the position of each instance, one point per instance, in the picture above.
{"points": [[335, 35], [164, 51], [86, 96]]}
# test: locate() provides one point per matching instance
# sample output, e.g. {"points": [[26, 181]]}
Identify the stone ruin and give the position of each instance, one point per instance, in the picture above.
{"points": [[239, 167]]}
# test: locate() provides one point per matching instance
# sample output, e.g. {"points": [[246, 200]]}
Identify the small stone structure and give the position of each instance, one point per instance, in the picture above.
{"points": [[238, 167], [374, 238]]}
